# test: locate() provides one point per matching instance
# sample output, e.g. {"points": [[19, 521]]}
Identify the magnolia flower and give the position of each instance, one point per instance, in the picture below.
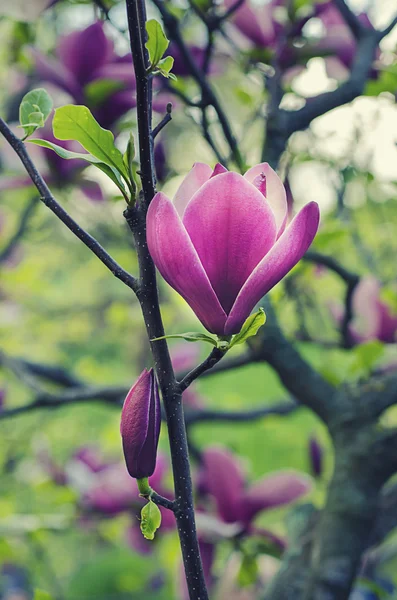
{"points": [[338, 39], [256, 22], [372, 318], [222, 485], [237, 502], [222, 243], [140, 426], [88, 69]]}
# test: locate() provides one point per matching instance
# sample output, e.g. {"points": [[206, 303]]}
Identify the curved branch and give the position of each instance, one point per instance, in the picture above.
{"points": [[48, 199], [216, 355]]}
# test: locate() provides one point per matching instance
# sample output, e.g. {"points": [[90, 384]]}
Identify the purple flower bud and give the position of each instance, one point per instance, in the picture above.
{"points": [[316, 457], [140, 426]]}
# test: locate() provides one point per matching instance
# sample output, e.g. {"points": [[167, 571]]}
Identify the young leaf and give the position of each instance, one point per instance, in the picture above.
{"points": [[250, 328], [111, 172], [77, 123], [35, 108], [150, 520], [157, 42], [189, 336], [164, 67], [128, 158]]}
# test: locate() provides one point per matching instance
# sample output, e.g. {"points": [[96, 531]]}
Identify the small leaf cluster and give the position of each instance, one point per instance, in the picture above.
{"points": [[157, 43], [77, 123], [249, 329]]}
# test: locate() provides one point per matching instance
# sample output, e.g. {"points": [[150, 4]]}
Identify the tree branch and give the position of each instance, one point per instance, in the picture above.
{"points": [[166, 119], [194, 416], [148, 298], [21, 229], [208, 95], [216, 355], [48, 199], [351, 279], [351, 19], [299, 378]]}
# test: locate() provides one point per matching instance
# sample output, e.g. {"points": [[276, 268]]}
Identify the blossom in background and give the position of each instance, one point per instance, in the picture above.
{"points": [[372, 319], [338, 40], [229, 505], [56, 171], [224, 481], [91, 73], [140, 426], [106, 490], [257, 22], [222, 243]]}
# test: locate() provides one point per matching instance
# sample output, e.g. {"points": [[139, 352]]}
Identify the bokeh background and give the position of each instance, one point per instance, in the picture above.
{"points": [[68, 511]]}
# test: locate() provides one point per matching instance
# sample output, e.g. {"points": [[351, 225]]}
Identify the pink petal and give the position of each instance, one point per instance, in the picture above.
{"points": [[275, 192], [177, 260], [232, 228], [218, 169], [224, 480], [275, 490], [367, 316], [92, 190], [284, 255], [84, 51], [255, 23], [198, 174]]}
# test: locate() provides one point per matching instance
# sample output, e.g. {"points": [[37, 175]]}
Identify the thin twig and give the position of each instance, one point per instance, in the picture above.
{"points": [[48, 199], [216, 355], [21, 229], [166, 119], [351, 279]]}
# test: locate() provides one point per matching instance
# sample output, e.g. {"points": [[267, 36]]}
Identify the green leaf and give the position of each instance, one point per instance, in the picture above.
{"points": [[164, 67], [100, 90], [150, 520], [41, 595], [35, 108], [111, 172], [250, 328], [365, 357], [77, 123], [157, 42], [249, 571], [189, 336]]}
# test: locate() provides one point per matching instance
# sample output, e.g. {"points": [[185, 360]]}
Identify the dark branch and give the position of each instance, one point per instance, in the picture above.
{"points": [[300, 379], [351, 279], [48, 199], [166, 119], [209, 362], [351, 19], [21, 229], [216, 416], [208, 95]]}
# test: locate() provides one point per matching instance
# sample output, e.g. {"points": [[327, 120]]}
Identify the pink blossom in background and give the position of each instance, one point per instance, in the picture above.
{"points": [[338, 40], [86, 62], [372, 317]]}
